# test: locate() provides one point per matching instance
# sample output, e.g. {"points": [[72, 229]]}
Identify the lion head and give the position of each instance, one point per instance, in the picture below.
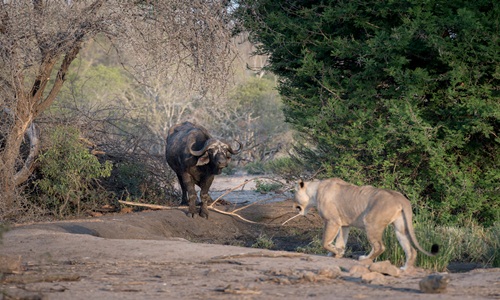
{"points": [[304, 197]]}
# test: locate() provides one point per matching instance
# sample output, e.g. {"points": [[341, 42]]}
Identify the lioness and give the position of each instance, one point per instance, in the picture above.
{"points": [[342, 205]]}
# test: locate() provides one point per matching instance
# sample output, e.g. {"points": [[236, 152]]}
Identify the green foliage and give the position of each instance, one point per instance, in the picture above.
{"points": [[471, 244], [132, 179], [287, 167], [255, 168], [314, 247], [128, 178], [399, 94], [264, 242], [266, 186], [68, 172], [253, 115]]}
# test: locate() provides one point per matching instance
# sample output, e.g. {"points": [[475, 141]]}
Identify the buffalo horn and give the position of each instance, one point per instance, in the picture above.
{"points": [[235, 151], [202, 150]]}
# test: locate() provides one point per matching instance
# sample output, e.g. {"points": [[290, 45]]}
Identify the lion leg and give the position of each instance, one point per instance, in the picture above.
{"points": [[375, 239], [330, 232], [404, 241], [341, 240]]}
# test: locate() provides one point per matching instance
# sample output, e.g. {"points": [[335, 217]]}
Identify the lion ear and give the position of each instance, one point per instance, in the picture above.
{"points": [[301, 183]]}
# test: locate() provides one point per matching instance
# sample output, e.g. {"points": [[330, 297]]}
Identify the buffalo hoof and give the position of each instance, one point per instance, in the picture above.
{"points": [[204, 212], [192, 211]]}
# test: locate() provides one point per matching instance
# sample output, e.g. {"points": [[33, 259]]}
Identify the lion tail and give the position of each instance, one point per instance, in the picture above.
{"points": [[409, 224]]}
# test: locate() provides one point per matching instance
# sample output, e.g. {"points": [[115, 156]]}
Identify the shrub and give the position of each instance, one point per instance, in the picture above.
{"points": [[255, 168], [314, 247], [265, 186], [393, 94], [286, 167], [471, 244], [264, 242], [68, 172], [145, 178]]}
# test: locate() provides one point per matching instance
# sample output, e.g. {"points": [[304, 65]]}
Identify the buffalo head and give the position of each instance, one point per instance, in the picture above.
{"points": [[214, 152]]}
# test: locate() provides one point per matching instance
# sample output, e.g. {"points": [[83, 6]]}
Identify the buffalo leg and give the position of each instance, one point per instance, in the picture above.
{"points": [[184, 199], [191, 194], [205, 197]]}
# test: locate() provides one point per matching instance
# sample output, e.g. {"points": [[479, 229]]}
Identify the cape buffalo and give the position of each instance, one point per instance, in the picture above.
{"points": [[196, 157]]}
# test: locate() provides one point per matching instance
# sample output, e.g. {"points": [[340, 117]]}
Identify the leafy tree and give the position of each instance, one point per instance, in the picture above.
{"points": [[252, 114], [399, 94], [39, 41]]}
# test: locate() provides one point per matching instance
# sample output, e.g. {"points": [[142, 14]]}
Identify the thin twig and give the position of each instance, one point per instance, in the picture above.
{"points": [[233, 214], [211, 206], [291, 219], [153, 206], [240, 185]]}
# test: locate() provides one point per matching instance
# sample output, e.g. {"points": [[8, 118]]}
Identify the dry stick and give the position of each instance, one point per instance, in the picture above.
{"points": [[227, 192], [255, 202], [232, 213], [240, 185], [291, 219], [152, 206]]}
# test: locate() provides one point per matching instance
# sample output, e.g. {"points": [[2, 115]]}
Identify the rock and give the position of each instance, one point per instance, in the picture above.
{"points": [[358, 270], [386, 268], [366, 262], [10, 264], [330, 273], [434, 284], [373, 278]]}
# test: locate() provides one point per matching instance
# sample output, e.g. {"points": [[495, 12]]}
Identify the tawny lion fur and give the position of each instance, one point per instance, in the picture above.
{"points": [[342, 205]]}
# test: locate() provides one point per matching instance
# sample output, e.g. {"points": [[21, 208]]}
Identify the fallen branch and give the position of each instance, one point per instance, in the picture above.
{"points": [[229, 191], [240, 185], [211, 206], [291, 219], [233, 214], [152, 206]]}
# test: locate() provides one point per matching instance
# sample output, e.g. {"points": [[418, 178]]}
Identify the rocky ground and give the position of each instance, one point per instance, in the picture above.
{"points": [[164, 254]]}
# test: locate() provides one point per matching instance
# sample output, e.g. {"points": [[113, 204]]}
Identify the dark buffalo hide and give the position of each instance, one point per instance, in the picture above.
{"points": [[196, 157]]}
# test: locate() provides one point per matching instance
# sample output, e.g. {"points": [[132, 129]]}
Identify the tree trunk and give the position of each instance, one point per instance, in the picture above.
{"points": [[9, 157], [13, 170]]}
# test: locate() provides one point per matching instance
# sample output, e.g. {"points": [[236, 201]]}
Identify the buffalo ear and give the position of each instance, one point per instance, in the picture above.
{"points": [[203, 160]]}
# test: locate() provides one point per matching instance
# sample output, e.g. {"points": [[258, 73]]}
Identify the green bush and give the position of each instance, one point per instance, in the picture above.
{"points": [[128, 178], [141, 179], [255, 168], [264, 242], [287, 167], [68, 173], [468, 244], [265, 186], [314, 247], [471, 244], [396, 94]]}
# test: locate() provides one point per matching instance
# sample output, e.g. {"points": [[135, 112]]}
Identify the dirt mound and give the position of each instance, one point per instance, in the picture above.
{"points": [[167, 255], [151, 255]]}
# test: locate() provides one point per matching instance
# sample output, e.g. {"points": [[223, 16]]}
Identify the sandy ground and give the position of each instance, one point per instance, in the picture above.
{"points": [[167, 255]]}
